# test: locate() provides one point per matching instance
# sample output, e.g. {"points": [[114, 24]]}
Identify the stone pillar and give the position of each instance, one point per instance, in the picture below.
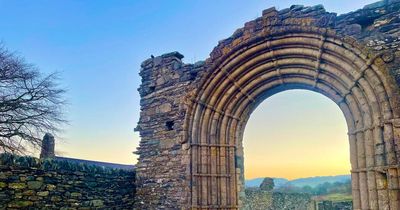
{"points": [[48, 145]]}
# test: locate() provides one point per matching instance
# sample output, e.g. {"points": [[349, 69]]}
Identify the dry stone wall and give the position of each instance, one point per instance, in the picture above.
{"points": [[30, 183]]}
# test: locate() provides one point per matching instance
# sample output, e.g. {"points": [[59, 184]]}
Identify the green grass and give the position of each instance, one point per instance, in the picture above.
{"points": [[335, 197]]}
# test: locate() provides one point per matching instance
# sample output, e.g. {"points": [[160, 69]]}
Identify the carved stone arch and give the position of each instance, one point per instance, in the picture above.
{"points": [[293, 58]]}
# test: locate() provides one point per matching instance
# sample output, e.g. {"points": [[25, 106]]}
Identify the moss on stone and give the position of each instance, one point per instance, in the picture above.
{"points": [[76, 194], [50, 187], [97, 203], [43, 193], [20, 204], [35, 185], [29, 192], [3, 185], [17, 185]]}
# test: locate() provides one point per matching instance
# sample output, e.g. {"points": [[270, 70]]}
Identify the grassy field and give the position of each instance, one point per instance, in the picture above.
{"points": [[334, 197]]}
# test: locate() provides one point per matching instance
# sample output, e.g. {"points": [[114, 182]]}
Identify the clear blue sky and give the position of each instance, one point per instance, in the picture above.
{"points": [[98, 47]]}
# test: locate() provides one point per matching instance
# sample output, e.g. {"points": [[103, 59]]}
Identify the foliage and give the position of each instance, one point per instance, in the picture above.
{"points": [[321, 189], [337, 197]]}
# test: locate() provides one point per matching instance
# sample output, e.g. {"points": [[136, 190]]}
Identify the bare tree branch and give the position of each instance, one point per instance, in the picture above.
{"points": [[30, 104]]}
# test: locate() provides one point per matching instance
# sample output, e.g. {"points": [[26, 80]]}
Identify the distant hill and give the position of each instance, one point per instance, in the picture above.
{"points": [[310, 181], [314, 181], [257, 181]]}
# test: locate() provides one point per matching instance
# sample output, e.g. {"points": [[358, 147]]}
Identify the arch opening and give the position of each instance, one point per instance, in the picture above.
{"points": [[292, 137], [296, 117]]}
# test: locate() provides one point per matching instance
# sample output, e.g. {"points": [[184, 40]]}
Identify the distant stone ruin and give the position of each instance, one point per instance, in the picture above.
{"points": [[48, 145], [257, 199], [193, 115], [267, 184]]}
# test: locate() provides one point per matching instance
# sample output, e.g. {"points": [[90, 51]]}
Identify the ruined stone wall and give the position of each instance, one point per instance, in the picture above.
{"points": [[377, 29], [296, 201], [331, 205], [168, 85], [163, 164], [263, 200], [31, 183]]}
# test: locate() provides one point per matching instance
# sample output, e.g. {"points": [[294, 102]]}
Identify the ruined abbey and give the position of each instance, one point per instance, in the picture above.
{"points": [[193, 116]]}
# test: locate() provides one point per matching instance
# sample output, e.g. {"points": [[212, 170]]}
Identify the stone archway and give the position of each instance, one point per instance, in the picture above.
{"points": [[193, 115], [294, 58]]}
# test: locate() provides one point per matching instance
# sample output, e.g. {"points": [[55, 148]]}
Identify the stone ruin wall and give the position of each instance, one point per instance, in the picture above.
{"points": [[31, 183], [163, 160], [163, 169], [330, 205], [264, 200]]}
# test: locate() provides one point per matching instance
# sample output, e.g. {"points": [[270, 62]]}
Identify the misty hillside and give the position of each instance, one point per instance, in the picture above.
{"points": [[310, 181]]}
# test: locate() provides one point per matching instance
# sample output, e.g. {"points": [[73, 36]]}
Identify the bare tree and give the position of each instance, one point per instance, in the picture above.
{"points": [[30, 104]]}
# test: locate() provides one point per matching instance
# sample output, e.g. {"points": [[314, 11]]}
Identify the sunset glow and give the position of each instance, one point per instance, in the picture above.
{"points": [[296, 134]]}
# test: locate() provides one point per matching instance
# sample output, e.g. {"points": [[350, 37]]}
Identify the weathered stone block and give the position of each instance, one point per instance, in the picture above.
{"points": [[17, 186], [35, 184], [43, 193], [20, 204], [76, 195], [50, 187], [29, 192], [97, 203], [163, 108], [3, 185]]}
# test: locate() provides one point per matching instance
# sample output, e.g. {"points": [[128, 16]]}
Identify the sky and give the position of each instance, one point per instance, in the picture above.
{"points": [[294, 134], [97, 46]]}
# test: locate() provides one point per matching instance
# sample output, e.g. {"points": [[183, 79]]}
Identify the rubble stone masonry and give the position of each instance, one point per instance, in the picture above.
{"points": [[31, 183]]}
